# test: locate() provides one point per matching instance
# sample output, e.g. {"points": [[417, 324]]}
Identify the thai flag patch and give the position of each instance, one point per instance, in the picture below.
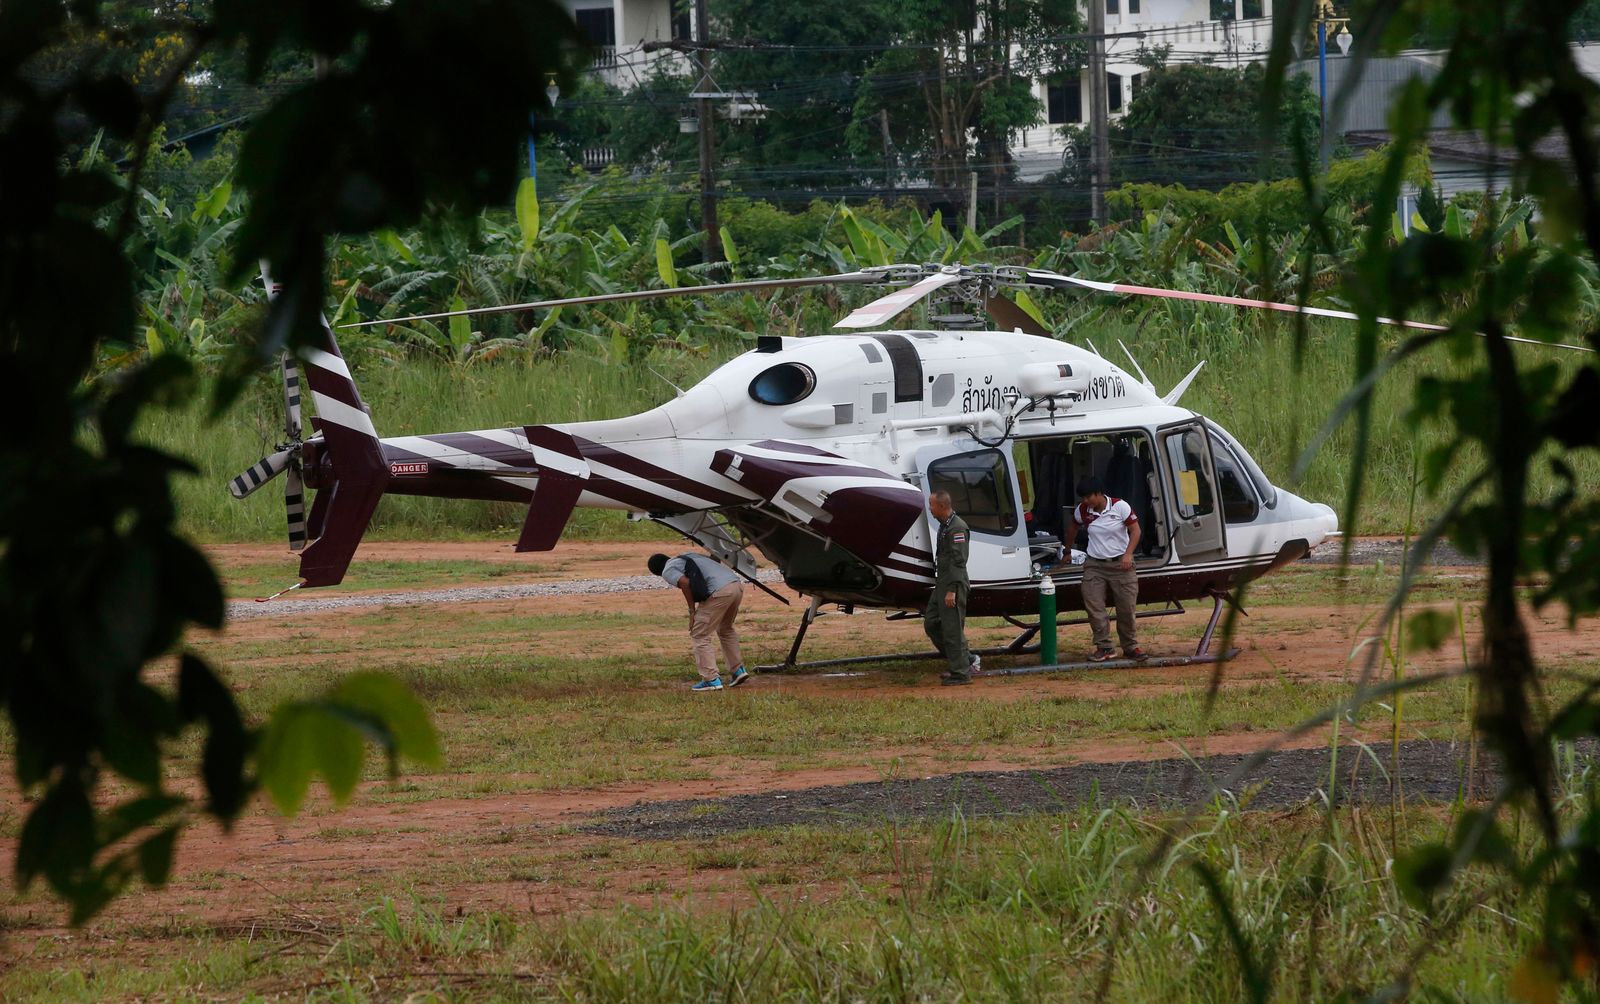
{"points": [[959, 537]]}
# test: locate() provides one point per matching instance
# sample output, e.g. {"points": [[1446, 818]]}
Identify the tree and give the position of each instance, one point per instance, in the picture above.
{"points": [[95, 582], [1510, 74], [969, 66], [804, 66], [1199, 125]]}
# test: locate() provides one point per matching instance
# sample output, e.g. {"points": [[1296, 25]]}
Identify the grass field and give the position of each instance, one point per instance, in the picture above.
{"points": [[483, 880]]}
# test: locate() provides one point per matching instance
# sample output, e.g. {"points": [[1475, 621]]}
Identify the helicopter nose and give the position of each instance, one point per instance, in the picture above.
{"points": [[1324, 520]]}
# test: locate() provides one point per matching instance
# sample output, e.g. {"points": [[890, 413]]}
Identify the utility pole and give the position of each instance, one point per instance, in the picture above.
{"points": [[708, 149], [1098, 126], [888, 155]]}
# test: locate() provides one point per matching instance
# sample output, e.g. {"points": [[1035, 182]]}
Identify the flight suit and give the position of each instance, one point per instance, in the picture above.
{"points": [[946, 626]]}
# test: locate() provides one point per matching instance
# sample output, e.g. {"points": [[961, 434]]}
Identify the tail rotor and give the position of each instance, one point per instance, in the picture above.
{"points": [[286, 460]]}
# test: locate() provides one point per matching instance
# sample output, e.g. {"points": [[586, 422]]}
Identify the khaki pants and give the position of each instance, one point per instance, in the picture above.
{"points": [[713, 623], [1098, 575]]}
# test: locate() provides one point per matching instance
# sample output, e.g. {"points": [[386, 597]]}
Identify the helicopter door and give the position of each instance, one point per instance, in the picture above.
{"points": [[983, 492], [1197, 533]]}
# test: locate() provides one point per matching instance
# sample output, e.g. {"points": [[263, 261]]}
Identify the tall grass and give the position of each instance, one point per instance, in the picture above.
{"points": [[1250, 385]]}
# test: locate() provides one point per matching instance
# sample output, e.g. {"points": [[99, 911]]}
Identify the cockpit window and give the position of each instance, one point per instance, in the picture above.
{"points": [[1264, 488], [784, 383]]}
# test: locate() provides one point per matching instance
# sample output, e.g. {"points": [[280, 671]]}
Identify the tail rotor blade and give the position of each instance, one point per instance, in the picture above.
{"points": [[263, 471], [291, 397], [294, 501]]}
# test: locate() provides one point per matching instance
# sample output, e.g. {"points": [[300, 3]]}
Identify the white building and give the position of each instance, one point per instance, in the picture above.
{"points": [[621, 28]]}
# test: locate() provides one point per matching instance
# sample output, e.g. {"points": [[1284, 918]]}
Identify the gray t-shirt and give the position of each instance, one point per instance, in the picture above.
{"points": [[716, 575]]}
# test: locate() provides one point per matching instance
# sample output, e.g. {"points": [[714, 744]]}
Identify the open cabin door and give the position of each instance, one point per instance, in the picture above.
{"points": [[983, 491], [1198, 533]]}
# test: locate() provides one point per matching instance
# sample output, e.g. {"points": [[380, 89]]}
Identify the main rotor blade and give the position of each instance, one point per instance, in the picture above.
{"points": [[1055, 279], [844, 278], [886, 308], [1011, 317], [264, 470]]}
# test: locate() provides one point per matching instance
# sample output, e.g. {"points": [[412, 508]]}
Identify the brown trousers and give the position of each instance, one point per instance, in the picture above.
{"points": [[713, 623], [1099, 574]]}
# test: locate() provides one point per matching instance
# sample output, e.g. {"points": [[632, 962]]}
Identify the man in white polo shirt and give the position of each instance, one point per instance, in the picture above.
{"points": [[1113, 536]]}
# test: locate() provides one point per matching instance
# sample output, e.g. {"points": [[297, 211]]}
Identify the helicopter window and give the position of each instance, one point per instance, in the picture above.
{"points": [[871, 352], [1239, 503], [944, 388], [880, 403], [1264, 488], [1185, 451], [979, 490], [907, 366], [784, 383]]}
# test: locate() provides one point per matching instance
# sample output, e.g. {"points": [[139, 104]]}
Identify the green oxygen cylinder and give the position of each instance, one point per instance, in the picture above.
{"points": [[1047, 621]]}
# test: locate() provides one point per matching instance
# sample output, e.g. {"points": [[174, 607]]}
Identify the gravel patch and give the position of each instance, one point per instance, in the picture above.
{"points": [[1432, 770], [241, 610], [1363, 552]]}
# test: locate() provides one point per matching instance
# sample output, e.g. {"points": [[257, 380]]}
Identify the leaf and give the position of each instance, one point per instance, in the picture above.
{"points": [[729, 250], [460, 328], [1027, 303], [1426, 630], [669, 273], [213, 205], [202, 696], [1421, 872], [155, 856], [528, 212], [394, 243], [153, 341], [536, 336], [338, 753], [389, 701], [1233, 236], [287, 757], [58, 837]]}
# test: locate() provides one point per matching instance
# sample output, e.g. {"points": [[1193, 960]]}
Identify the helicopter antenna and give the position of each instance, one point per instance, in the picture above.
{"points": [[669, 383], [1177, 392], [1093, 348], [1137, 368]]}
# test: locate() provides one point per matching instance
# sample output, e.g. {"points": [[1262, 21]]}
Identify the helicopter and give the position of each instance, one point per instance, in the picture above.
{"points": [[819, 453]]}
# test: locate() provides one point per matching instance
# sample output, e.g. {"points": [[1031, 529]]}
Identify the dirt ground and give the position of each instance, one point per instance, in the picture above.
{"points": [[270, 866]]}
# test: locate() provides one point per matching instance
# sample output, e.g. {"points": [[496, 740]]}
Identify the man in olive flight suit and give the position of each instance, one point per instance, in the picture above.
{"points": [[946, 613]]}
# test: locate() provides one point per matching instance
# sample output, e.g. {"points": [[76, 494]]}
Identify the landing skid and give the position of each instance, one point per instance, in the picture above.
{"points": [[1021, 645]]}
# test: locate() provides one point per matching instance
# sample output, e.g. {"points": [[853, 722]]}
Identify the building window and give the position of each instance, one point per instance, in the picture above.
{"points": [[598, 24], [682, 21], [1114, 91], [1137, 80], [1064, 98], [1133, 6], [1253, 8], [1113, 7], [980, 490]]}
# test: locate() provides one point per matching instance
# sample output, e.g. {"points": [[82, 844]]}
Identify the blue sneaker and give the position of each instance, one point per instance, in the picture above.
{"points": [[707, 685], [739, 676]]}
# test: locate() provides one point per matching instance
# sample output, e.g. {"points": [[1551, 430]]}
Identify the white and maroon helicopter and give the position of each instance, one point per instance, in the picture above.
{"points": [[819, 453]]}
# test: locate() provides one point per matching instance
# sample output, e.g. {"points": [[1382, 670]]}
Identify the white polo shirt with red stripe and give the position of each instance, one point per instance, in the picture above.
{"points": [[1108, 529]]}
